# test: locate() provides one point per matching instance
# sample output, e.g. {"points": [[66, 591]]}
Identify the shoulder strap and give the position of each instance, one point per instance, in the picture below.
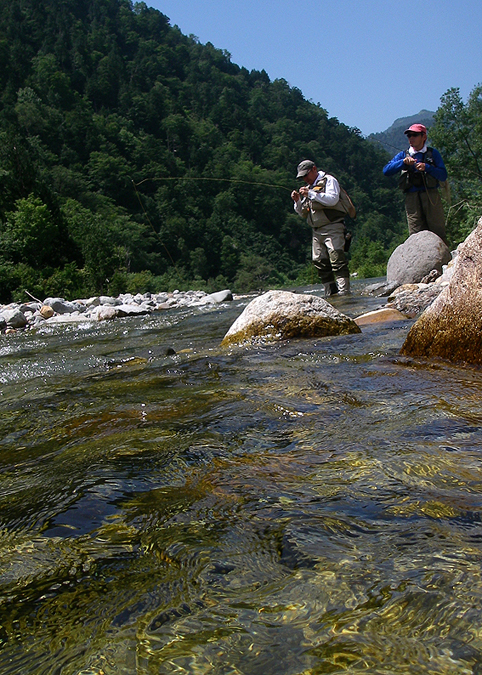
{"points": [[429, 155], [321, 185]]}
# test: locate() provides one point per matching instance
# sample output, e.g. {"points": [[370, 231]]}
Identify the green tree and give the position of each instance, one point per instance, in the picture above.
{"points": [[457, 133], [30, 234], [157, 156]]}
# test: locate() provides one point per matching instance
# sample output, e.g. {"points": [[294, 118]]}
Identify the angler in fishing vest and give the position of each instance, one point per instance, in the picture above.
{"points": [[422, 169], [319, 202]]}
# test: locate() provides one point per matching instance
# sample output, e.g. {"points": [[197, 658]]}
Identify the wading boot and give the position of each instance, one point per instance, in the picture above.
{"points": [[330, 288], [343, 285]]}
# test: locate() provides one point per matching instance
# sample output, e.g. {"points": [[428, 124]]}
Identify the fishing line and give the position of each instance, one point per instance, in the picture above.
{"points": [[227, 180], [198, 178], [150, 223]]}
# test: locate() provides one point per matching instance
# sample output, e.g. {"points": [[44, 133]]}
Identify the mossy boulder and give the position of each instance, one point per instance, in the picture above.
{"points": [[281, 315], [451, 327]]}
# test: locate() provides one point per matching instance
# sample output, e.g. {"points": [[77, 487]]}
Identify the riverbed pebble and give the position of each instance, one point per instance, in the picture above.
{"points": [[101, 308]]}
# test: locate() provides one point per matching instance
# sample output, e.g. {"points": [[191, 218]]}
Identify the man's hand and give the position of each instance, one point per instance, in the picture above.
{"points": [[420, 166], [304, 191], [409, 160], [295, 196]]}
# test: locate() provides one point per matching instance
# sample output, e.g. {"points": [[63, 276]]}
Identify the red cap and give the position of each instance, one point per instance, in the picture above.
{"points": [[417, 128]]}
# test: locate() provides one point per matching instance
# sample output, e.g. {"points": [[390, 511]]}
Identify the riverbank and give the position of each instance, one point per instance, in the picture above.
{"points": [[409, 299], [18, 316]]}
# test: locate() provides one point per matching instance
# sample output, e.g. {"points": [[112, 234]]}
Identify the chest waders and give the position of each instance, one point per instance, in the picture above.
{"points": [[328, 254]]}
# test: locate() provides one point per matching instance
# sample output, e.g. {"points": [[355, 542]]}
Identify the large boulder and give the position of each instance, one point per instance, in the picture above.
{"points": [[451, 327], [280, 315], [416, 257]]}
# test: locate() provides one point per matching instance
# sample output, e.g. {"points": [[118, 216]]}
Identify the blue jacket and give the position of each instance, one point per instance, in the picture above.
{"points": [[437, 169]]}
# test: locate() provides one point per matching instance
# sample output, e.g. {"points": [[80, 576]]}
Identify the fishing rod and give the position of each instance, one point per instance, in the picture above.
{"points": [[385, 143]]}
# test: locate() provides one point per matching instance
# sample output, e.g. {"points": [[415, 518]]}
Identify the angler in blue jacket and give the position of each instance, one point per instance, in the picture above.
{"points": [[422, 169]]}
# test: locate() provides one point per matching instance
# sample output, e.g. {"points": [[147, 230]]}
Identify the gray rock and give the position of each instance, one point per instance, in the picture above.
{"points": [[413, 299], [416, 257], [14, 318], [61, 306], [219, 296], [139, 299], [66, 319], [108, 300], [380, 289], [3, 323], [131, 310], [30, 307], [280, 315], [105, 313], [90, 302]]}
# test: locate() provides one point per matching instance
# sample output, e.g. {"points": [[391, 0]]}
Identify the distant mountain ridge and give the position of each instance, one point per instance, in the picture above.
{"points": [[393, 139]]}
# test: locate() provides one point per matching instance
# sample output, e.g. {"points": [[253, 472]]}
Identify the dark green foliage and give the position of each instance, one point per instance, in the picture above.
{"points": [[134, 158], [457, 133]]}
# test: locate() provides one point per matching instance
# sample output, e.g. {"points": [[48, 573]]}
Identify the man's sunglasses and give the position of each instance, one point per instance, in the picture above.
{"points": [[414, 133]]}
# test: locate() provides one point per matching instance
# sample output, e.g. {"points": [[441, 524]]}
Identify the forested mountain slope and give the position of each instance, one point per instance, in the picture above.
{"points": [[133, 157], [393, 139]]}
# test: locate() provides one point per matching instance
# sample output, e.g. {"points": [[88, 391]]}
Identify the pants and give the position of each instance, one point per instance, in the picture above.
{"points": [[329, 252], [425, 212]]}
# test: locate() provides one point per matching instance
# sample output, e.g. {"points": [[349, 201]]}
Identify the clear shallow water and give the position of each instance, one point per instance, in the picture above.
{"points": [[306, 507]]}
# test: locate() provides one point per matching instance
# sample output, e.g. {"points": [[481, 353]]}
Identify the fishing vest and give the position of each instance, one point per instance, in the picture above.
{"points": [[418, 179], [319, 214]]}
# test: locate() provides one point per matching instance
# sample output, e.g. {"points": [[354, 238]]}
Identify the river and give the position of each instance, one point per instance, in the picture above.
{"points": [[298, 508]]}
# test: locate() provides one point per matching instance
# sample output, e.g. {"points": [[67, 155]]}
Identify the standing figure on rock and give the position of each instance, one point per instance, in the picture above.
{"points": [[422, 169], [318, 202]]}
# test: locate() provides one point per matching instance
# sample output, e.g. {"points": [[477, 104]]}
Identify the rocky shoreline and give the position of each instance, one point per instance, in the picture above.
{"points": [[407, 300], [412, 298], [36, 313]]}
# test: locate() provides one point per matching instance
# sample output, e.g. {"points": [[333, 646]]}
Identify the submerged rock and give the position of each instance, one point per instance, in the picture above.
{"points": [[280, 315], [417, 257], [451, 327]]}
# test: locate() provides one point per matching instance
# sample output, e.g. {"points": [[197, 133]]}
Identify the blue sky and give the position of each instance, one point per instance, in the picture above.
{"points": [[367, 62]]}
